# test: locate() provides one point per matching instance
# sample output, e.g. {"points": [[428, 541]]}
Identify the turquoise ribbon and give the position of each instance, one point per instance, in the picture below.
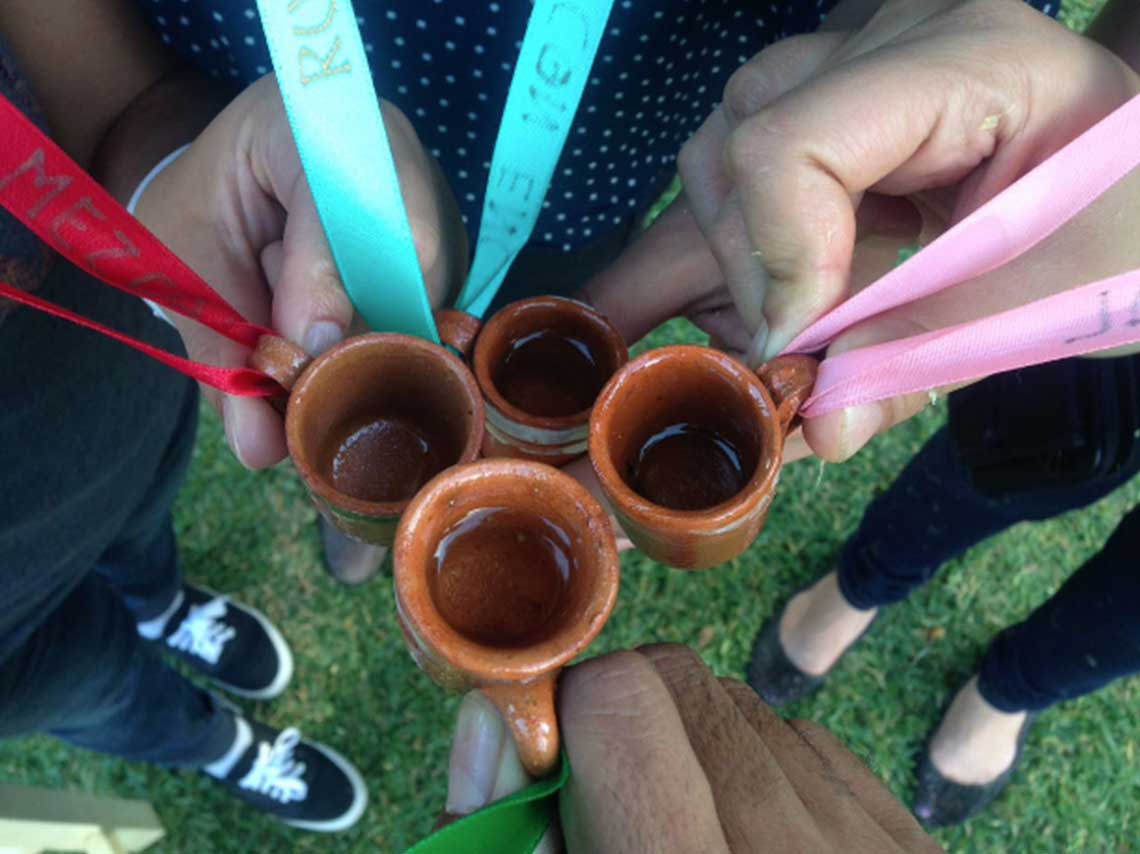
{"points": [[551, 73], [329, 98], [334, 112]]}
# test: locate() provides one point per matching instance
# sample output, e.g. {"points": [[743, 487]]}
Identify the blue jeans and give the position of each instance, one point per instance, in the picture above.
{"points": [[94, 442], [1084, 637]]}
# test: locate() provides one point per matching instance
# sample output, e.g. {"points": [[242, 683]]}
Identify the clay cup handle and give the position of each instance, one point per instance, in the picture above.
{"points": [[790, 380], [458, 329], [281, 359], [529, 713]]}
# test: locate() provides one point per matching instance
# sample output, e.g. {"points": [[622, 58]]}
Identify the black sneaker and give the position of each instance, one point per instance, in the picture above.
{"points": [[302, 783], [233, 644]]}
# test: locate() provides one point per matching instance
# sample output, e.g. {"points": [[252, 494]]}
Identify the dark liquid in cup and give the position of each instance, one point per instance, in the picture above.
{"points": [[550, 374], [499, 576], [687, 467], [385, 459]]}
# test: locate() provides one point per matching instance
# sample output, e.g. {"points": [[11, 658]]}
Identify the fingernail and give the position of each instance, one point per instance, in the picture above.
{"points": [[857, 426], [776, 343], [479, 733], [755, 356], [232, 419], [320, 336]]}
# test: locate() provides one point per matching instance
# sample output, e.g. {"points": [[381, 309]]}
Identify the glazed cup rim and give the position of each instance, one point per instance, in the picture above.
{"points": [[483, 664], [301, 459], [710, 520], [480, 361]]}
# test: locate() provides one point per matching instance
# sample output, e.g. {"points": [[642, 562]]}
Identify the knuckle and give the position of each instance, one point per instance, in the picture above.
{"points": [[747, 90], [618, 694]]}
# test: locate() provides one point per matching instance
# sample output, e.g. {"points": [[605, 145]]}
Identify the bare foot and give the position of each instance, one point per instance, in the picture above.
{"points": [[975, 743], [818, 626]]}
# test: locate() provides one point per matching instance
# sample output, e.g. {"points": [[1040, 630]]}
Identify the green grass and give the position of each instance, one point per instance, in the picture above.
{"points": [[253, 535]]}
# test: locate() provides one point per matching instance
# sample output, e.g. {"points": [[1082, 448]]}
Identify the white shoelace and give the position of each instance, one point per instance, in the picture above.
{"points": [[203, 633], [275, 773]]}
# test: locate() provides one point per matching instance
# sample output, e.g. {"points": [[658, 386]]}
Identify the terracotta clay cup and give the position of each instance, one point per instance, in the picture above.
{"points": [[540, 364], [505, 570], [370, 421], [687, 444]]}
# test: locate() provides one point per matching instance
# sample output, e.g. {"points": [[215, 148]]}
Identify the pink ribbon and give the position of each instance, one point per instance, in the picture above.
{"points": [[1096, 316]]}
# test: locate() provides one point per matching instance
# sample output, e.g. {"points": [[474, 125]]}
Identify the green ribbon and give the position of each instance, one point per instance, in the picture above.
{"points": [[514, 825]]}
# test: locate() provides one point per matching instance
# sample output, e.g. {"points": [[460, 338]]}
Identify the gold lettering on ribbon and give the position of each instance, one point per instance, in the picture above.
{"points": [[325, 63], [316, 30]]}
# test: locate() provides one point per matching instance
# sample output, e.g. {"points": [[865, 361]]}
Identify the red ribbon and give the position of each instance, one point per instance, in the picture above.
{"points": [[64, 206]]}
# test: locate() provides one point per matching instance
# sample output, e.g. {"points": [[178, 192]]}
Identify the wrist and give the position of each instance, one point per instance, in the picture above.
{"points": [[165, 117], [148, 179]]}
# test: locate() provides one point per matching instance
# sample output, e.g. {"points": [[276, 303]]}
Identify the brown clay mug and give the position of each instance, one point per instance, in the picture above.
{"points": [[505, 570], [540, 363], [687, 443], [370, 421]]}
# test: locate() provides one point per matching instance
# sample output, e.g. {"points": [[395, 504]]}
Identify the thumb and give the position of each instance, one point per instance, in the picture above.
{"points": [[837, 436], [484, 765], [711, 186], [310, 305]]}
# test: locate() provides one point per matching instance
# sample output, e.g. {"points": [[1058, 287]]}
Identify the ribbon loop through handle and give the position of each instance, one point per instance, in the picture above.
{"points": [[1097, 316], [62, 205]]}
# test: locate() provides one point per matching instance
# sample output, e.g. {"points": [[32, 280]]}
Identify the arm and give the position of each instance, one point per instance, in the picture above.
{"points": [[113, 97]]}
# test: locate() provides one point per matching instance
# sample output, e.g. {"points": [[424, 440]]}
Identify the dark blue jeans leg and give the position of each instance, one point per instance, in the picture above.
{"points": [[142, 564], [86, 677], [1084, 637], [931, 514]]}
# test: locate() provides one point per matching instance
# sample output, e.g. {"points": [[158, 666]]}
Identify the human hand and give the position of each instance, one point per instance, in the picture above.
{"points": [[236, 207], [667, 757], [832, 151]]}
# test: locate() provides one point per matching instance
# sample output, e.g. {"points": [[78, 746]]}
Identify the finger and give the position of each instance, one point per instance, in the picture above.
{"points": [[637, 785], [799, 163], [483, 766], [837, 436], [795, 446], [710, 187], [826, 795], [777, 70], [754, 798], [821, 792], [667, 268], [873, 796], [310, 305], [254, 431], [717, 316], [272, 259]]}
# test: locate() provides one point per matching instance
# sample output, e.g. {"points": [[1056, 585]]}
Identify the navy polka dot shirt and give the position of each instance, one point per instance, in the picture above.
{"points": [[660, 70]]}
